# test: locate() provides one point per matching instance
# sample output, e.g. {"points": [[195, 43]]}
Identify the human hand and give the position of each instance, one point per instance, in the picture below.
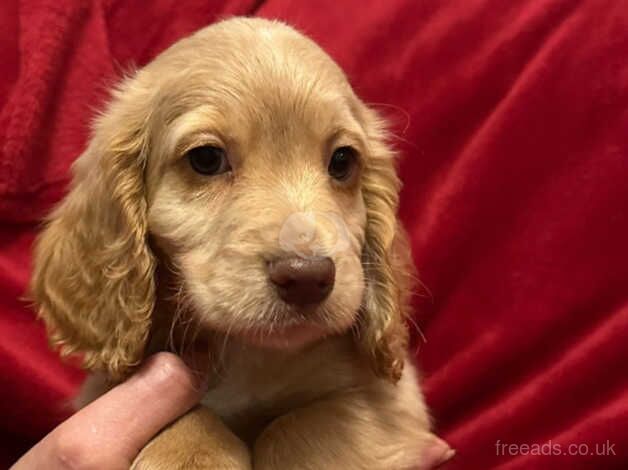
{"points": [[110, 432], [437, 454]]}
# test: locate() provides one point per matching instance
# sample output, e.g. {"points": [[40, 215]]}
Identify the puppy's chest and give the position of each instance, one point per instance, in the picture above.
{"points": [[239, 396], [259, 386], [252, 385]]}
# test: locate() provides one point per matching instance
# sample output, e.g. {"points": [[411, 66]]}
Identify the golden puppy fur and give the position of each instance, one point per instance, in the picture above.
{"points": [[145, 254]]}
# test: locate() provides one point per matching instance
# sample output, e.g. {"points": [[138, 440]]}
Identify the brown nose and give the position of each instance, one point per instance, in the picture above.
{"points": [[302, 281]]}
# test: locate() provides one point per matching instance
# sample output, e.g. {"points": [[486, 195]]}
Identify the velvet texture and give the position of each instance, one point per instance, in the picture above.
{"points": [[512, 119]]}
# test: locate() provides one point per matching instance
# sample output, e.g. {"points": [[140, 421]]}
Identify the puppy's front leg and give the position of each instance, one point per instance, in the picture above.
{"points": [[382, 427], [198, 440]]}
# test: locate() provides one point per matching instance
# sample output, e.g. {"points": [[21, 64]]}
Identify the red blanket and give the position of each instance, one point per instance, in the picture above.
{"points": [[512, 117]]}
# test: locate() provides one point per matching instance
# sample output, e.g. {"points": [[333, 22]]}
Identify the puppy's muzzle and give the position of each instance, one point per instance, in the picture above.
{"points": [[302, 281]]}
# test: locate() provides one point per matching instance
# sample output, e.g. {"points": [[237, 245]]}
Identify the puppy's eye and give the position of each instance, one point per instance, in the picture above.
{"points": [[208, 160], [342, 163]]}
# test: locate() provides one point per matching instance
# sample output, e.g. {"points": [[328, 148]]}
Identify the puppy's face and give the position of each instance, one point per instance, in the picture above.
{"points": [[254, 184], [267, 187]]}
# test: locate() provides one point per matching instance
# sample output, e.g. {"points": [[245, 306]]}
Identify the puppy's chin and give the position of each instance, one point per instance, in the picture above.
{"points": [[288, 338]]}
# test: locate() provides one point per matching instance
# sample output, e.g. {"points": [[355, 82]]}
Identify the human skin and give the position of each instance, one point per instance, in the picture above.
{"points": [[111, 431]]}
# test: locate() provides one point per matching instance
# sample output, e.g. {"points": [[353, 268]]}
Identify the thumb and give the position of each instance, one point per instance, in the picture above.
{"points": [[110, 432]]}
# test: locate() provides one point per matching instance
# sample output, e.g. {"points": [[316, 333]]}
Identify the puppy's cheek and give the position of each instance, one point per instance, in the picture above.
{"points": [[226, 293], [194, 269], [346, 298]]}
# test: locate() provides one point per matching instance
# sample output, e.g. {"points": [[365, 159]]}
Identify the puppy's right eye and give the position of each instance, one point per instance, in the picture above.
{"points": [[208, 160]]}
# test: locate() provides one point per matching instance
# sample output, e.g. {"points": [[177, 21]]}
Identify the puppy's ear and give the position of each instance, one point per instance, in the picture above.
{"points": [[386, 258], [93, 270]]}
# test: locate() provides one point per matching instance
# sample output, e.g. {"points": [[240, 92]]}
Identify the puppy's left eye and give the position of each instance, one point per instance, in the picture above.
{"points": [[342, 164], [208, 160]]}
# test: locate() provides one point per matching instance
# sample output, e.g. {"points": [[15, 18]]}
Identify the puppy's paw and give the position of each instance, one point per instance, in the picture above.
{"points": [[160, 457], [196, 441]]}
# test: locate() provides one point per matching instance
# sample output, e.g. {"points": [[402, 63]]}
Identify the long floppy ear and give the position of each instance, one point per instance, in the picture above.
{"points": [[93, 270], [386, 258]]}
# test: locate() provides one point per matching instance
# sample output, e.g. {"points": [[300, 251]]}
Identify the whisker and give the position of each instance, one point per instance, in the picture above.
{"points": [[405, 113]]}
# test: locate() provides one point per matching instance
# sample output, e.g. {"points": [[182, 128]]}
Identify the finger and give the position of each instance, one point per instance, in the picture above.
{"points": [[436, 454], [111, 431]]}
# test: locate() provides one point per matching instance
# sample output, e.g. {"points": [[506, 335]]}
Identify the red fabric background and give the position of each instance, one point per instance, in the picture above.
{"points": [[513, 120]]}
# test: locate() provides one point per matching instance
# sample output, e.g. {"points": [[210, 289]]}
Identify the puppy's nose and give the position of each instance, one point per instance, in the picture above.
{"points": [[302, 281]]}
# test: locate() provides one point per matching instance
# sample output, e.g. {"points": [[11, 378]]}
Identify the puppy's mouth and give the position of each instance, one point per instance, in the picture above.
{"points": [[288, 337], [300, 287]]}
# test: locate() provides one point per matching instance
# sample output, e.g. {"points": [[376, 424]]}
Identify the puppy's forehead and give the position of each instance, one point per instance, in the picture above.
{"points": [[251, 51], [256, 74]]}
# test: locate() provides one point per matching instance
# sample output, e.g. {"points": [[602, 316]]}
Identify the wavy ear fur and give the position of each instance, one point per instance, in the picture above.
{"points": [[386, 259], [93, 270]]}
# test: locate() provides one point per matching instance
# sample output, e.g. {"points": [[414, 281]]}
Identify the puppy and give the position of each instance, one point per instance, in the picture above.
{"points": [[238, 198]]}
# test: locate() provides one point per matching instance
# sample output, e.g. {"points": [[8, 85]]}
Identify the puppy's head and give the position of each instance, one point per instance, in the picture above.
{"points": [[246, 158]]}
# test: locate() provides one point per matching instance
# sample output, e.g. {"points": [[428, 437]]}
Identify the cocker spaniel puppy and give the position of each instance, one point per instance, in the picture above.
{"points": [[237, 197]]}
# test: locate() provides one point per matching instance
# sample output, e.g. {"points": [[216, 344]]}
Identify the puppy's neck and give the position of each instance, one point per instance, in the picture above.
{"points": [[254, 385]]}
